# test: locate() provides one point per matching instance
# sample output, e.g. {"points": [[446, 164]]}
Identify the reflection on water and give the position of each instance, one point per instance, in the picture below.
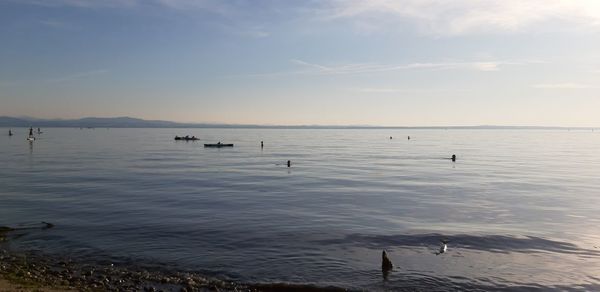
{"points": [[518, 208]]}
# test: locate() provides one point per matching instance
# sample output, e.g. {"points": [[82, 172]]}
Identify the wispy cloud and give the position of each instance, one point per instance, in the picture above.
{"points": [[255, 33], [80, 3], [565, 85], [309, 68], [76, 76], [391, 90], [378, 90], [8, 83], [59, 25], [459, 17], [248, 31], [437, 17], [215, 6]]}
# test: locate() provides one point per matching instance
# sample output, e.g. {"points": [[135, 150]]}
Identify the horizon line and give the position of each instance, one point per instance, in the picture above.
{"points": [[237, 125]]}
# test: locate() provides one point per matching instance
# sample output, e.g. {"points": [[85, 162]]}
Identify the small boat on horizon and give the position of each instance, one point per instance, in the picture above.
{"points": [[218, 145], [186, 138]]}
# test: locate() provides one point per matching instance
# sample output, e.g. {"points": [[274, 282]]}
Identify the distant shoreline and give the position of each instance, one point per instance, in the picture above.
{"points": [[128, 122]]}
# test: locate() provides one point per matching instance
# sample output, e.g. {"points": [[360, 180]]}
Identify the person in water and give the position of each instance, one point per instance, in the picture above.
{"points": [[289, 163], [453, 158], [262, 145], [9, 132], [30, 132]]}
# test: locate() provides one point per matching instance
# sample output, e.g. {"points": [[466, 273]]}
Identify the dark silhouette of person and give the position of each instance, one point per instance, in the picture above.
{"points": [[262, 144], [289, 163], [30, 132], [408, 137], [453, 158], [9, 132], [386, 265], [390, 137]]}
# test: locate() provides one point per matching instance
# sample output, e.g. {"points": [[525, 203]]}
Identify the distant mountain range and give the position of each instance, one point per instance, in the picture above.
{"points": [[128, 122]]}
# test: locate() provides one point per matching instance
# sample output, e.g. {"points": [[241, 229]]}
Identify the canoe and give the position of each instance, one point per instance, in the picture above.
{"points": [[186, 139], [218, 145]]}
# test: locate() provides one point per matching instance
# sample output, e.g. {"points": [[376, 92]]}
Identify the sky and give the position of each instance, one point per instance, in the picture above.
{"points": [[292, 62]]}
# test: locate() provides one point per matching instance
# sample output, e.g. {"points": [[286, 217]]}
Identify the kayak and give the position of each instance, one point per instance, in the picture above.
{"points": [[218, 145], [186, 139]]}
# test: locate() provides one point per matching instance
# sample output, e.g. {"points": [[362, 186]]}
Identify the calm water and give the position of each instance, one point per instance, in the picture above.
{"points": [[521, 208]]}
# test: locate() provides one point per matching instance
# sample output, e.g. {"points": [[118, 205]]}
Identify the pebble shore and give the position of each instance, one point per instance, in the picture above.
{"points": [[33, 271]]}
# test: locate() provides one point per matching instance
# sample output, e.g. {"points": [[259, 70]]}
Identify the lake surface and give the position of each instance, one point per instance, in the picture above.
{"points": [[520, 208]]}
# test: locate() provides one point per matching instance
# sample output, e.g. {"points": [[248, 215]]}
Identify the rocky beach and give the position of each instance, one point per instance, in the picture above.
{"points": [[36, 271]]}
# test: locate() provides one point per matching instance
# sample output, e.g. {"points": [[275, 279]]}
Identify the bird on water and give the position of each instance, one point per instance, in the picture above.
{"points": [[443, 247], [386, 264]]}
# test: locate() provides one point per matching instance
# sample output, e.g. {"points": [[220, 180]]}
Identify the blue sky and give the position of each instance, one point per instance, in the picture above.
{"points": [[376, 62]]}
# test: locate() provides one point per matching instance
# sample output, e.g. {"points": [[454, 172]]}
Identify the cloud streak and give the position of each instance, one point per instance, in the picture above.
{"points": [[430, 17], [565, 85], [80, 3], [76, 76], [309, 68], [390, 90], [462, 17]]}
